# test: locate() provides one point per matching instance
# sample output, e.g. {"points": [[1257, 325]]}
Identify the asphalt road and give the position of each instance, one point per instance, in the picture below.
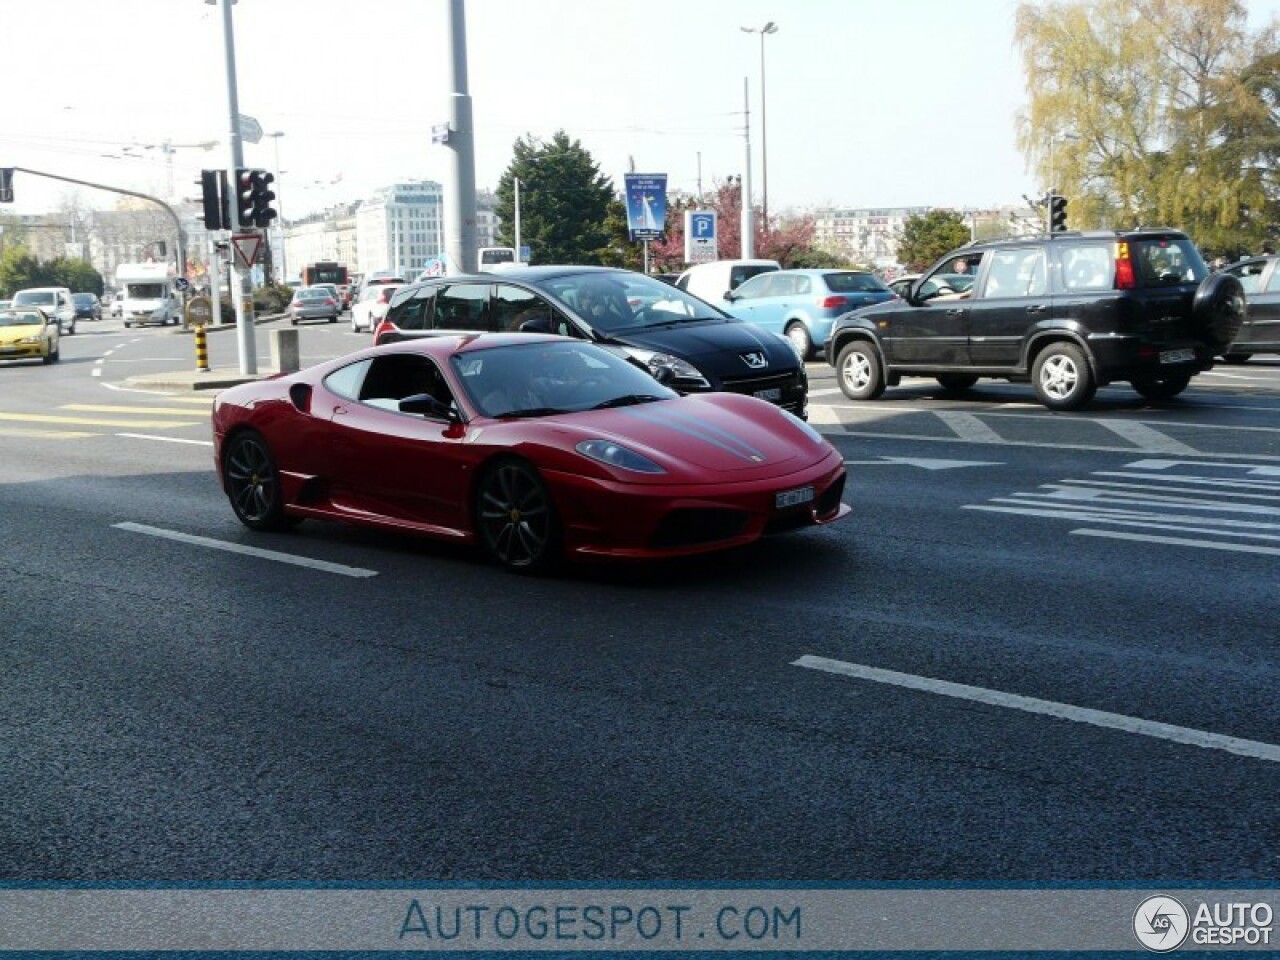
{"points": [[1043, 647]]}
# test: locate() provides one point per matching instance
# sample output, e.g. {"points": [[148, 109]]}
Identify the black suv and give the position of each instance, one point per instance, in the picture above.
{"points": [[685, 342], [1068, 311]]}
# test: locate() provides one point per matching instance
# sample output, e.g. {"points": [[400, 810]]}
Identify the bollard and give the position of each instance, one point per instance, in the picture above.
{"points": [[202, 350], [286, 356]]}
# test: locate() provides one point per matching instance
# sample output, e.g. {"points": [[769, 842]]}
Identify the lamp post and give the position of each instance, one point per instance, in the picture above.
{"points": [[764, 31], [284, 260]]}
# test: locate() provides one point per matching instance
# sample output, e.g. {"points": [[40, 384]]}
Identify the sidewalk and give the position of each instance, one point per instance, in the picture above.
{"points": [[213, 379]]}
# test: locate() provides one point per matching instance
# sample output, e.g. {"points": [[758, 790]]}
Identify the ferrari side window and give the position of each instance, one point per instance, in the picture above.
{"points": [[345, 381]]}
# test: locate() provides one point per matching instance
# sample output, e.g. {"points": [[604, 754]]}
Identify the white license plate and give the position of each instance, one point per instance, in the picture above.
{"points": [[1177, 356], [791, 498], [773, 394]]}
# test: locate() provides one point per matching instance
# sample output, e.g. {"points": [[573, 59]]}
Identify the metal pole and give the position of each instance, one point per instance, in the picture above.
{"points": [[240, 291], [516, 181], [460, 189], [764, 143], [748, 225]]}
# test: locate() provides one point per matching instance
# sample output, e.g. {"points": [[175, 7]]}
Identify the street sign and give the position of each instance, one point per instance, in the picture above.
{"points": [[182, 283], [700, 241], [199, 311], [250, 129], [246, 248], [440, 133]]}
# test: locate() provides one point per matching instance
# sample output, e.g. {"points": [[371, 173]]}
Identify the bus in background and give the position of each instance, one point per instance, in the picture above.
{"points": [[497, 258], [329, 271]]}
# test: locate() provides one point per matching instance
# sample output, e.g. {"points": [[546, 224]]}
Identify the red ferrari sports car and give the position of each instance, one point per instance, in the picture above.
{"points": [[536, 447]]}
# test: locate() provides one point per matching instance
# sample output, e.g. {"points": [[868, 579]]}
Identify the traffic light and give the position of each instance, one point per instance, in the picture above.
{"points": [[1057, 213], [6, 184], [254, 196], [213, 190]]}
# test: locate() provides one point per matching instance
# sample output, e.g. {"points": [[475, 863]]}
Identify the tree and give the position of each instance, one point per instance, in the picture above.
{"points": [[1152, 111], [564, 201], [19, 270], [926, 238]]}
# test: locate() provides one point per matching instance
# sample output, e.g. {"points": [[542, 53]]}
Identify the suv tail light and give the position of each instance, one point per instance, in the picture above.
{"points": [[1125, 279], [831, 303]]}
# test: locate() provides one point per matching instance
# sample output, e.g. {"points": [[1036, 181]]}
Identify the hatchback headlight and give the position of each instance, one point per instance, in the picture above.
{"points": [[36, 339], [616, 455], [680, 369]]}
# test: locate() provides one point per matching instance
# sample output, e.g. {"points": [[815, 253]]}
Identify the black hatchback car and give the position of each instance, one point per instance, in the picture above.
{"points": [[87, 305], [1068, 311], [683, 341]]}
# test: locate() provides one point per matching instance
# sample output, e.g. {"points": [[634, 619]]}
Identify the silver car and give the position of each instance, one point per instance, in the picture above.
{"points": [[313, 303]]}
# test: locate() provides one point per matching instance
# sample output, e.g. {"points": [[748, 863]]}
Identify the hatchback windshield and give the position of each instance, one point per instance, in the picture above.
{"points": [[612, 302], [20, 318], [83, 299]]}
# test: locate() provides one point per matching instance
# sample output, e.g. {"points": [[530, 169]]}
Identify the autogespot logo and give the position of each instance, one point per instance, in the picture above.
{"points": [[1161, 923]]}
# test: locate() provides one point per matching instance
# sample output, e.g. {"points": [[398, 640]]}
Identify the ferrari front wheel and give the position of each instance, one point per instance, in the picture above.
{"points": [[516, 519], [253, 482]]}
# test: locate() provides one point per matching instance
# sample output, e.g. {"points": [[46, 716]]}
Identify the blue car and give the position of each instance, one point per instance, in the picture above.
{"points": [[803, 304]]}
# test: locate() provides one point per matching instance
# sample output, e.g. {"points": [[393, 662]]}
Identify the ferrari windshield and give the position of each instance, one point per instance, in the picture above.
{"points": [[549, 377], [614, 302]]}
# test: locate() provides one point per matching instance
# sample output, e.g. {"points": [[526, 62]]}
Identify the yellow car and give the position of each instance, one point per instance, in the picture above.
{"points": [[27, 334]]}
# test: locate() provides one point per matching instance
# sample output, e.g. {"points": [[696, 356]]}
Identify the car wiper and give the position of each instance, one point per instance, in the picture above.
{"points": [[626, 400], [532, 412]]}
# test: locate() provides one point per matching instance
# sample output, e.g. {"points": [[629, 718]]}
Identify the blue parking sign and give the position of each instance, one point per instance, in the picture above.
{"points": [[703, 226]]}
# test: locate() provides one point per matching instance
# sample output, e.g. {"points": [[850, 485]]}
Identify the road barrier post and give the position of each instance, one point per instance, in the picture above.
{"points": [[202, 350]]}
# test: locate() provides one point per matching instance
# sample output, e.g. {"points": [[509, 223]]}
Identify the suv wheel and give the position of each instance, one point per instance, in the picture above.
{"points": [[1161, 388], [1062, 376], [1219, 309], [860, 372]]}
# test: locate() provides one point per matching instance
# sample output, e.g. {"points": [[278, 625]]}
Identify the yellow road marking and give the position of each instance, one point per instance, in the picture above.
{"points": [[93, 421], [125, 408], [45, 434]]}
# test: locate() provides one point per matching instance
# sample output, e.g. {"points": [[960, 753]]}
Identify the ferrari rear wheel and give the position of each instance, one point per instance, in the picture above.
{"points": [[516, 519], [253, 483]]}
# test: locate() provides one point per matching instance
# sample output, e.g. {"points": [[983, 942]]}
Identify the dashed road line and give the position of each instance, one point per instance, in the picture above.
{"points": [[322, 565], [967, 426], [1144, 438], [1253, 749]]}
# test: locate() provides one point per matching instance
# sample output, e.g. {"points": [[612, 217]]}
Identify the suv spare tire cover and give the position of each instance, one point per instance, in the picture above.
{"points": [[1219, 309]]}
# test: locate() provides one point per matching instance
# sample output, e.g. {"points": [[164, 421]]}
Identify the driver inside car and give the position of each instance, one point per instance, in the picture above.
{"points": [[603, 303]]}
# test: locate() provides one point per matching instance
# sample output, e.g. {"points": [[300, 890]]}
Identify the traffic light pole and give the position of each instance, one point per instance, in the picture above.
{"points": [[177, 223], [241, 290]]}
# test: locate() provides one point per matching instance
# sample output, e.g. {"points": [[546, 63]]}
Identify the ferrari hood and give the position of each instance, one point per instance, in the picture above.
{"points": [[697, 437]]}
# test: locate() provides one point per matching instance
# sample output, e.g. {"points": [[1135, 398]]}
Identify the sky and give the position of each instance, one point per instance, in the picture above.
{"points": [[869, 103]]}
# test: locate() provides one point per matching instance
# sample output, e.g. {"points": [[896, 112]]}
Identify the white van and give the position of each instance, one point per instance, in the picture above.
{"points": [[711, 281]]}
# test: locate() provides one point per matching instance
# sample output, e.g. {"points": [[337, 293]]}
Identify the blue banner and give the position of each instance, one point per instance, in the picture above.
{"points": [[646, 205]]}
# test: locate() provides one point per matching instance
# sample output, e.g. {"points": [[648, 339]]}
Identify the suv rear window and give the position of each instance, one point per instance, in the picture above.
{"points": [[1167, 261]]}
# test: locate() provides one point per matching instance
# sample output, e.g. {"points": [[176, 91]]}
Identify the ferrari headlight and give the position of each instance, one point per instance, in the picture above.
{"points": [[680, 369], [616, 455]]}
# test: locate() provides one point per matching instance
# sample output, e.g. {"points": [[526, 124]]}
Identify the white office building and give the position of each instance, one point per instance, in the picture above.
{"points": [[400, 228]]}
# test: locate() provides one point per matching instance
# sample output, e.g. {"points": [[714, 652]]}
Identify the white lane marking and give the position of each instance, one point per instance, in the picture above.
{"points": [[1186, 542], [1250, 468], [96, 372], [968, 427], [151, 393], [924, 463], [1049, 708], [126, 408], [825, 392], [1145, 438], [147, 436], [322, 565]]}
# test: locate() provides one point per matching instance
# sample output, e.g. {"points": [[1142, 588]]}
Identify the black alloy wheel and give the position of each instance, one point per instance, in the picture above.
{"points": [[253, 482], [516, 518]]}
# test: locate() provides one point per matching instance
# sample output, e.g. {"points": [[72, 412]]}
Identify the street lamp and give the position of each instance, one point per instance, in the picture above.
{"points": [[764, 31], [284, 265]]}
